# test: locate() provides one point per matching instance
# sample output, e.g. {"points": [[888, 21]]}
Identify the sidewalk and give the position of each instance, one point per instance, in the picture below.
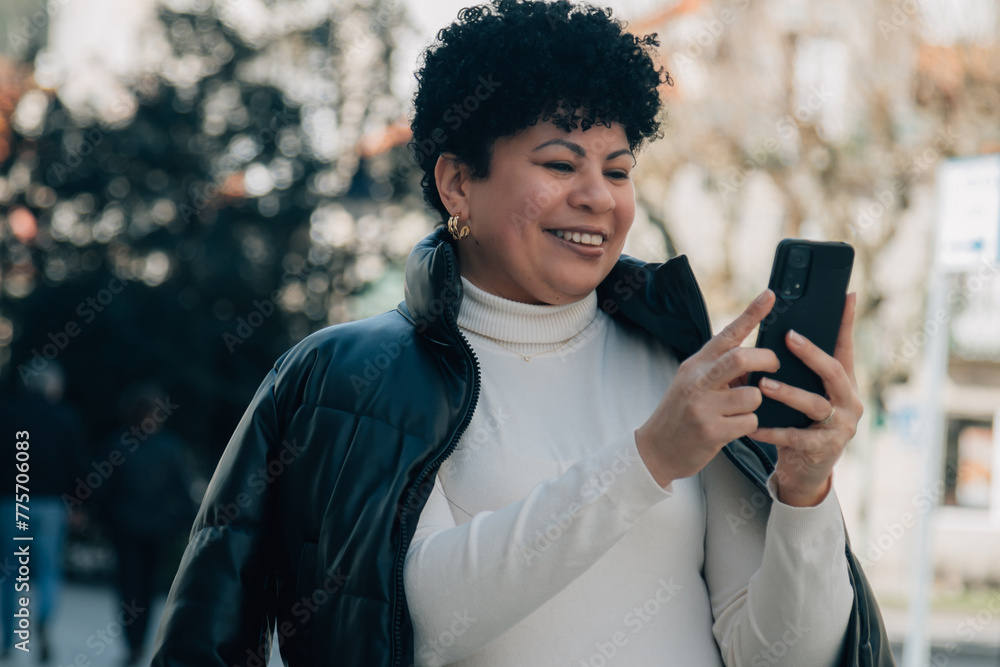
{"points": [[86, 631], [953, 634]]}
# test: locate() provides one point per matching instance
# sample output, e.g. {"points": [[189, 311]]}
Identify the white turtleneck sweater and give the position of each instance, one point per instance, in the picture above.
{"points": [[546, 541]]}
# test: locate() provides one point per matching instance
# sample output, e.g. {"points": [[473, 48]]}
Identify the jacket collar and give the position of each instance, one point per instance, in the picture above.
{"points": [[432, 288], [662, 299]]}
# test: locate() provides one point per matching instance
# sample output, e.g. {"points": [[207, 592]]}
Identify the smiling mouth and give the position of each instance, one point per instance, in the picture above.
{"points": [[577, 237]]}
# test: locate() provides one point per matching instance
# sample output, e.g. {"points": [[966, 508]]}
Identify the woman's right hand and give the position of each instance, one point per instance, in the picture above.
{"points": [[701, 411]]}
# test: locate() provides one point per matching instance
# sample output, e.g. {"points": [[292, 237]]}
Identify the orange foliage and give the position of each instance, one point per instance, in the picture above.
{"points": [[949, 66]]}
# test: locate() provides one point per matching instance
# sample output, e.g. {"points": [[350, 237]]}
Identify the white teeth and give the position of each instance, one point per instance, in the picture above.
{"points": [[577, 237]]}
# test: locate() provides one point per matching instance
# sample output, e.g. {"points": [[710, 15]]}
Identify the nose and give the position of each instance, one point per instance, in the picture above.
{"points": [[591, 191]]}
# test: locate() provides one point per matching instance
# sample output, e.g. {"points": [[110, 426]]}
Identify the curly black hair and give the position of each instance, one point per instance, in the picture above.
{"points": [[504, 66]]}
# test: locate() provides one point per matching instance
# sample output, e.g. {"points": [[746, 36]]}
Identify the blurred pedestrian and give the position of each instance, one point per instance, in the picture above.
{"points": [[146, 502], [56, 438]]}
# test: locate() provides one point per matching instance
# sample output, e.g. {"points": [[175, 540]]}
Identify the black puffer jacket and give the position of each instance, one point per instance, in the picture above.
{"points": [[311, 510]]}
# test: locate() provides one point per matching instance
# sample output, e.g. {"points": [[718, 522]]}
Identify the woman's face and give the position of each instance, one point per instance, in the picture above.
{"points": [[550, 221]]}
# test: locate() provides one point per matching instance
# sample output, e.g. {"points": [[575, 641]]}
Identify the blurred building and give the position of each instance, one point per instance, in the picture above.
{"points": [[966, 527]]}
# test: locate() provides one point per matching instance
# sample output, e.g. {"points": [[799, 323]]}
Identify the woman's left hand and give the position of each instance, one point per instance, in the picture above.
{"points": [[806, 456]]}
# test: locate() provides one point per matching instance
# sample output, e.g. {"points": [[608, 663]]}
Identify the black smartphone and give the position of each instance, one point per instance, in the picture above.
{"points": [[809, 280]]}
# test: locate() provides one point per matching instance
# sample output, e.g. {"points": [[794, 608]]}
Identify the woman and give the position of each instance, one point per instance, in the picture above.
{"points": [[532, 476]]}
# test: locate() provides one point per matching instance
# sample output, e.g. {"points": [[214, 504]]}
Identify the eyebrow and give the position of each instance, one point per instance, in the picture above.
{"points": [[578, 149]]}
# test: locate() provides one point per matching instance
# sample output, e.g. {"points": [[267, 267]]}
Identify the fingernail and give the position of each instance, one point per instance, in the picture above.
{"points": [[768, 383], [763, 297], [795, 337]]}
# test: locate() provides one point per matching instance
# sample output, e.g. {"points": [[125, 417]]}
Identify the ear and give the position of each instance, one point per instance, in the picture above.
{"points": [[451, 176]]}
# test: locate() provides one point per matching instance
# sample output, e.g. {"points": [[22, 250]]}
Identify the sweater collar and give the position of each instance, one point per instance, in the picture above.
{"points": [[663, 299], [512, 322]]}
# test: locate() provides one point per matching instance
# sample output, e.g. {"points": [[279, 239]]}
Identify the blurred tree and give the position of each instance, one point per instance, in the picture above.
{"points": [[213, 213]]}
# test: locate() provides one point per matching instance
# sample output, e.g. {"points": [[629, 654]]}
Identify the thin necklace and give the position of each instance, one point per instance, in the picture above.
{"points": [[530, 356]]}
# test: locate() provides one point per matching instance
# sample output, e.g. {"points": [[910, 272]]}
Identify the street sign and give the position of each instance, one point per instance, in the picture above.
{"points": [[968, 212]]}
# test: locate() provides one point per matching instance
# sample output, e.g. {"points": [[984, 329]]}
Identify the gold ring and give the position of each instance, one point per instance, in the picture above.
{"points": [[829, 419]]}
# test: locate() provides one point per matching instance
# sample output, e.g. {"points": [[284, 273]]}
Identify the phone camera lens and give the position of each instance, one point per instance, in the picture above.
{"points": [[798, 258], [796, 272]]}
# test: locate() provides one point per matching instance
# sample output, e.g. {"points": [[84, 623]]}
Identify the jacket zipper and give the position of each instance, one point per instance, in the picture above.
{"points": [[747, 472], [397, 613]]}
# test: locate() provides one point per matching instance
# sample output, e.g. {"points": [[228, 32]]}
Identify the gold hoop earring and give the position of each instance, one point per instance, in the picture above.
{"points": [[457, 234]]}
